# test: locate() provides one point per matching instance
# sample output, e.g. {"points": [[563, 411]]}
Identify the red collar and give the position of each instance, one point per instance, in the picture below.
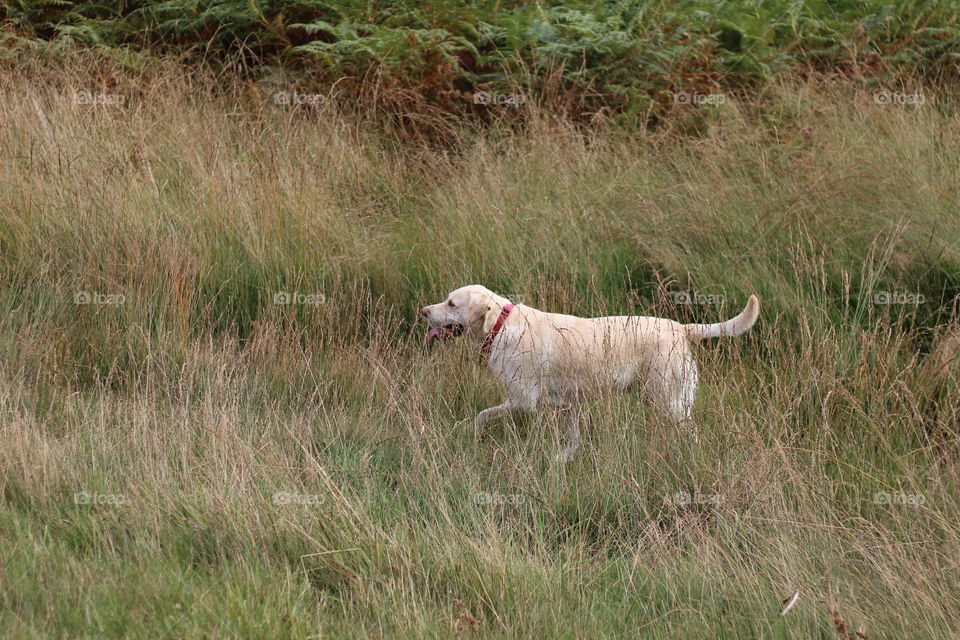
{"points": [[488, 341]]}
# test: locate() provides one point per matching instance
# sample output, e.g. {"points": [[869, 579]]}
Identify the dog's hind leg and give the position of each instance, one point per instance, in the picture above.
{"points": [[573, 435], [672, 387]]}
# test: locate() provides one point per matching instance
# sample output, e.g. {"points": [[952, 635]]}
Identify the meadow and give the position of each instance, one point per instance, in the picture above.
{"points": [[219, 417]]}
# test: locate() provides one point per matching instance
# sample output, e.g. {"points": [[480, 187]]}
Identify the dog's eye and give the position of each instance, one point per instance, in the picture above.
{"points": [[449, 303]]}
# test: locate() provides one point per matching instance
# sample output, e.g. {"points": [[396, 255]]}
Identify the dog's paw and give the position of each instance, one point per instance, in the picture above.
{"points": [[464, 424], [477, 427]]}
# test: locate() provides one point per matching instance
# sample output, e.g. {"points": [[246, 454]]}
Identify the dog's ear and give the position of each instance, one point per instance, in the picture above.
{"points": [[490, 315]]}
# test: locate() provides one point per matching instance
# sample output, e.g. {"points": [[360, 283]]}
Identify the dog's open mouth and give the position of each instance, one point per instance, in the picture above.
{"points": [[445, 332]]}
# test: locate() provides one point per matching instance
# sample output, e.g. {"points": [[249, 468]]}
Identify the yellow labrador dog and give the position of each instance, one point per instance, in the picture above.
{"points": [[555, 359]]}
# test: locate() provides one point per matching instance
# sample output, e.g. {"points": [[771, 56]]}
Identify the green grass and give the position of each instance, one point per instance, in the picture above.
{"points": [[187, 409], [422, 64]]}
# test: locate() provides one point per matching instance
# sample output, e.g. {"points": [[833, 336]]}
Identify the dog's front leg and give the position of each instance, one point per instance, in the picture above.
{"points": [[493, 413], [522, 397]]}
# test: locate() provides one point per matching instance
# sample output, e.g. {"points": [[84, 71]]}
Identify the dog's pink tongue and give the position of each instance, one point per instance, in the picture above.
{"points": [[441, 333]]}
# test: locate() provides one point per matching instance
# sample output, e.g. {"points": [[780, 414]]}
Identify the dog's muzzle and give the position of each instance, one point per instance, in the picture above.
{"points": [[445, 332]]}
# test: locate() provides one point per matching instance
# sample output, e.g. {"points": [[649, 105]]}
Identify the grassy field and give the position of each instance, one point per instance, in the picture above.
{"points": [[183, 455]]}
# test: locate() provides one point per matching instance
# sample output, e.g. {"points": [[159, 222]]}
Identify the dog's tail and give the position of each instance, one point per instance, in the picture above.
{"points": [[732, 327]]}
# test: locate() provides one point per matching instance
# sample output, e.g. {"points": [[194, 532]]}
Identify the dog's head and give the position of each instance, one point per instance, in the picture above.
{"points": [[471, 310]]}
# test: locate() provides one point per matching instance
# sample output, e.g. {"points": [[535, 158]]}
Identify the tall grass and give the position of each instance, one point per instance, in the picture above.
{"points": [[253, 469]]}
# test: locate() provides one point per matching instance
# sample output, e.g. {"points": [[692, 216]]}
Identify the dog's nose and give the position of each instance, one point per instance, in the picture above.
{"points": [[424, 312]]}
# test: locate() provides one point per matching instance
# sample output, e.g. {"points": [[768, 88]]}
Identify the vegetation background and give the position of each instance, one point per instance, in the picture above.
{"points": [[218, 414]]}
